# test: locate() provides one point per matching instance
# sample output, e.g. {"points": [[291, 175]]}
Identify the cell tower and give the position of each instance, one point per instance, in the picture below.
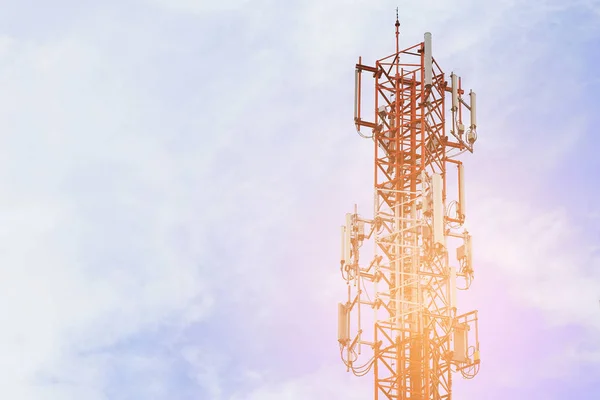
{"points": [[406, 294]]}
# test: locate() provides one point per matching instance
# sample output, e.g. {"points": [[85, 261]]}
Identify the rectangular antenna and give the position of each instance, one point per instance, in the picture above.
{"points": [[347, 244], [343, 326], [356, 94], [460, 343], [428, 60]]}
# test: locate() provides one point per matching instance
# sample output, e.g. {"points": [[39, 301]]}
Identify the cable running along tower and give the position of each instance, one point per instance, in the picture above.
{"points": [[401, 308]]}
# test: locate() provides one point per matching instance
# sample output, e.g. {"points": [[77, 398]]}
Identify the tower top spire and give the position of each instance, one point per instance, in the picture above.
{"points": [[397, 34]]}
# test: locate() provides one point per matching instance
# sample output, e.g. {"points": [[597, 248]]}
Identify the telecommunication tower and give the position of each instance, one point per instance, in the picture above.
{"points": [[406, 293]]}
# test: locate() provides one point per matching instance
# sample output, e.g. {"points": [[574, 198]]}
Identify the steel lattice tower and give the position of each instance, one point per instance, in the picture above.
{"points": [[422, 252]]}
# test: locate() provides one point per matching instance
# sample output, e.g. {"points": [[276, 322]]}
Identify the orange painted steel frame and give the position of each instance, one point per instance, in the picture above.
{"points": [[413, 341]]}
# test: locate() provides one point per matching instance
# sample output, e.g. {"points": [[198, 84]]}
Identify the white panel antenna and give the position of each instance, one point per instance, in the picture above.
{"points": [[460, 343], [454, 92], [343, 324], [348, 243], [428, 61]]}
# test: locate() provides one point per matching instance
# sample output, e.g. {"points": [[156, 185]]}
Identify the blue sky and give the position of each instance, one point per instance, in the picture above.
{"points": [[173, 174]]}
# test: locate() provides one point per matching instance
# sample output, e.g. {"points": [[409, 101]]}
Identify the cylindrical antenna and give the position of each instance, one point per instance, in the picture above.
{"points": [[473, 110], [428, 60], [454, 91]]}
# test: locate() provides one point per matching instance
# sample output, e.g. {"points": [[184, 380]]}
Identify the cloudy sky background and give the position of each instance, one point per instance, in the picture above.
{"points": [[173, 174]]}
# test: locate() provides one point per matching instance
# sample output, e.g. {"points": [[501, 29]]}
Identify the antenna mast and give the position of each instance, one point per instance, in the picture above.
{"points": [[406, 295]]}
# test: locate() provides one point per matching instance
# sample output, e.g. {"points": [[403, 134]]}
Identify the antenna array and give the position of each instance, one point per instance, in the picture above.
{"points": [[407, 293]]}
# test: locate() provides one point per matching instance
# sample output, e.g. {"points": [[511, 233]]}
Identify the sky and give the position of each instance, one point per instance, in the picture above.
{"points": [[173, 175]]}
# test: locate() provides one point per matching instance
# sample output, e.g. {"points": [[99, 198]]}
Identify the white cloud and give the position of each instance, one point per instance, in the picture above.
{"points": [[202, 7], [551, 263], [89, 212], [207, 367]]}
